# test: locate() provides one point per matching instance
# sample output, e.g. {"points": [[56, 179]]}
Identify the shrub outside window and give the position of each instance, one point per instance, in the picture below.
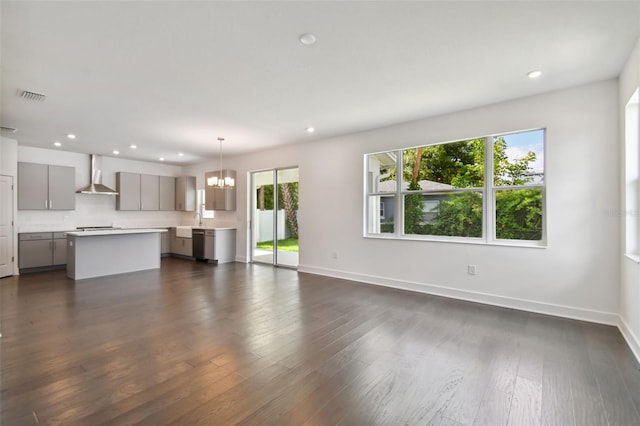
{"points": [[488, 189]]}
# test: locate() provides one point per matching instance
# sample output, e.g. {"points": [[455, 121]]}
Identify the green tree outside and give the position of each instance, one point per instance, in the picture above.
{"points": [[291, 208], [461, 165]]}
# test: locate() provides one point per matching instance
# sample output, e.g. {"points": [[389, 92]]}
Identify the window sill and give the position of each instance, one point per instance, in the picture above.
{"points": [[633, 257], [472, 241]]}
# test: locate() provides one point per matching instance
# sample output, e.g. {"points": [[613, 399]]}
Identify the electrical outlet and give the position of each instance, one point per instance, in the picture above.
{"points": [[471, 269]]}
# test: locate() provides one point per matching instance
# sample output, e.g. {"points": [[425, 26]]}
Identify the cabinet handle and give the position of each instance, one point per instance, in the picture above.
{"points": [[46, 204], [51, 245], [50, 204]]}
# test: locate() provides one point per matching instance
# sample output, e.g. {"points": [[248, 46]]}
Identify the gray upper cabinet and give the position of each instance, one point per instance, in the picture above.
{"points": [[46, 187], [217, 198], [149, 192], [144, 192], [62, 188], [167, 193], [128, 188], [186, 193]]}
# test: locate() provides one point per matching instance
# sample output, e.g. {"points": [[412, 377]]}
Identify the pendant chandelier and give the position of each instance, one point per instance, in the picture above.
{"points": [[222, 180]]}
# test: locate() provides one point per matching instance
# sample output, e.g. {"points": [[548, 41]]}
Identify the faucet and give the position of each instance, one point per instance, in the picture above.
{"points": [[198, 218]]}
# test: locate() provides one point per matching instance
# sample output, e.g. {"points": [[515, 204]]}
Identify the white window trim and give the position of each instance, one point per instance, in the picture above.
{"points": [[631, 215]]}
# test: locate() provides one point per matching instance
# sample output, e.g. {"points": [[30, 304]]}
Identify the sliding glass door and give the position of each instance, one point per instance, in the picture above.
{"points": [[275, 217]]}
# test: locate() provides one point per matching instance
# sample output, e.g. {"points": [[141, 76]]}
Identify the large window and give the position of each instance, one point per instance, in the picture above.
{"points": [[488, 189], [632, 177]]}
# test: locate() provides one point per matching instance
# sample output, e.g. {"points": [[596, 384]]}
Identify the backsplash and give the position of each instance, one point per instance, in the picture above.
{"points": [[95, 210], [100, 210]]}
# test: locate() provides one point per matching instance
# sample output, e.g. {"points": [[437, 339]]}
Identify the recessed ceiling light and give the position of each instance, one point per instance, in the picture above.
{"points": [[310, 129], [116, 152], [71, 136], [161, 158], [56, 143], [133, 146], [534, 74], [307, 39], [180, 154]]}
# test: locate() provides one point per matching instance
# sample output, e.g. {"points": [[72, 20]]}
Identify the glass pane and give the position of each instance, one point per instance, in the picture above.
{"points": [[287, 217], [263, 217], [381, 172], [381, 209], [519, 214], [445, 166], [454, 214], [518, 158]]}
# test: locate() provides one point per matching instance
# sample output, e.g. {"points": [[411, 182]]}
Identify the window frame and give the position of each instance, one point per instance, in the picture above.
{"points": [[631, 212], [488, 192]]}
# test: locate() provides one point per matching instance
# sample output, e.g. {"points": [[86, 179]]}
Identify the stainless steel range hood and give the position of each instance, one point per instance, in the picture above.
{"points": [[96, 186]]}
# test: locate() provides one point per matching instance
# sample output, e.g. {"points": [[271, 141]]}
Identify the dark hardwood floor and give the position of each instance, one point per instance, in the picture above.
{"points": [[215, 345]]}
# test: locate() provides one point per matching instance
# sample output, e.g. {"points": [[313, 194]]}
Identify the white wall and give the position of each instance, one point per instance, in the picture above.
{"points": [[94, 210], [577, 275], [630, 270]]}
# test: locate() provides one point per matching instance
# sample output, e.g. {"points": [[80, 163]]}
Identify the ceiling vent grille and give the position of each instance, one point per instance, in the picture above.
{"points": [[33, 96], [8, 129]]}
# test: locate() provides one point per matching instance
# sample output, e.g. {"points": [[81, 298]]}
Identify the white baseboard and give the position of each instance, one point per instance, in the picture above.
{"points": [[630, 337], [242, 259], [599, 317]]}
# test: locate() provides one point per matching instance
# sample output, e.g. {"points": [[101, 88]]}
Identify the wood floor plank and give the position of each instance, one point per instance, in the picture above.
{"points": [[194, 343], [557, 398], [526, 403], [494, 408]]}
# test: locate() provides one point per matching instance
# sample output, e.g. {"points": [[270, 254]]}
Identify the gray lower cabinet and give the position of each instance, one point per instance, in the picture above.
{"points": [[183, 246], [224, 245], [42, 249], [209, 244], [179, 245], [220, 245], [59, 248], [46, 187], [172, 239], [165, 243]]}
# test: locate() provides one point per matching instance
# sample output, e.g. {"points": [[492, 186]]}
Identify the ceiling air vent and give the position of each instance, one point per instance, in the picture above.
{"points": [[8, 129], [33, 96]]}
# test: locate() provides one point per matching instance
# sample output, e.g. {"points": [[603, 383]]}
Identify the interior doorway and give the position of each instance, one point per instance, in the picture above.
{"points": [[274, 217], [6, 226]]}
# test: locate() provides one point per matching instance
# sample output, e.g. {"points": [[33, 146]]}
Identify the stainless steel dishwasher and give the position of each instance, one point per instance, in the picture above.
{"points": [[197, 237]]}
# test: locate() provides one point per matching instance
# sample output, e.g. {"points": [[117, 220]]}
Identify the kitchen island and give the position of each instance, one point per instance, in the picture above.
{"points": [[109, 252]]}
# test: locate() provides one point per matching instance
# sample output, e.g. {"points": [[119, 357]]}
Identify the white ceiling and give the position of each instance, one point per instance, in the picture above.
{"points": [[173, 76]]}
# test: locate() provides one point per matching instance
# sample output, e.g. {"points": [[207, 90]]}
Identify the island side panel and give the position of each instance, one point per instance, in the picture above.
{"points": [[225, 245], [101, 255]]}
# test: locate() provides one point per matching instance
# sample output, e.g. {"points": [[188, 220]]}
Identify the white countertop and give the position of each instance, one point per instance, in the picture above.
{"points": [[208, 228], [114, 232], [68, 229], [185, 226]]}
